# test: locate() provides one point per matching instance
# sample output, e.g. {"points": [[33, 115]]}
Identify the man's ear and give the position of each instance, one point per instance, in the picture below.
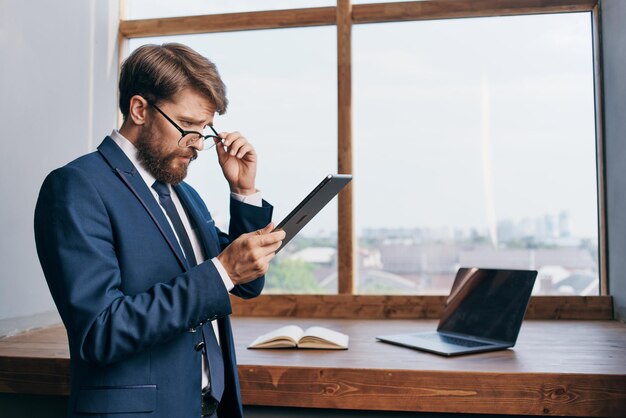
{"points": [[138, 110]]}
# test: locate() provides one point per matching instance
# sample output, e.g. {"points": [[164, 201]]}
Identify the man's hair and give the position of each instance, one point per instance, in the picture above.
{"points": [[159, 72]]}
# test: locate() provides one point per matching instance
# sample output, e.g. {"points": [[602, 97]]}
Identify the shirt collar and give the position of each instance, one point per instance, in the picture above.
{"points": [[131, 152]]}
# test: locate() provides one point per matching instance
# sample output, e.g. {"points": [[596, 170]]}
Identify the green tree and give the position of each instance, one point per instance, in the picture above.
{"points": [[291, 276]]}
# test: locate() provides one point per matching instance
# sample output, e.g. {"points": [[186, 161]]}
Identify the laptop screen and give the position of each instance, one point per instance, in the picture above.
{"points": [[488, 303]]}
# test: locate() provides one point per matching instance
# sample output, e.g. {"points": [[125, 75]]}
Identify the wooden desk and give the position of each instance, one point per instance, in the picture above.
{"points": [[558, 368]]}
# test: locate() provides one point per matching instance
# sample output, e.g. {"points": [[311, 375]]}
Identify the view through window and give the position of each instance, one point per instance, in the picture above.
{"points": [[475, 146]]}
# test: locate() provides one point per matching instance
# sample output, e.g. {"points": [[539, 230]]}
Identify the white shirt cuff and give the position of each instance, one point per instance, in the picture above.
{"points": [[222, 271], [254, 199]]}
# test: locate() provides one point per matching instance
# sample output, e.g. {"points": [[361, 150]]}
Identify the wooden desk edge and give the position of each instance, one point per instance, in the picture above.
{"points": [[379, 389], [435, 391], [516, 393]]}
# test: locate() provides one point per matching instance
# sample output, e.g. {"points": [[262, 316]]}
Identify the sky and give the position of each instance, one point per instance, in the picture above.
{"points": [[459, 122]]}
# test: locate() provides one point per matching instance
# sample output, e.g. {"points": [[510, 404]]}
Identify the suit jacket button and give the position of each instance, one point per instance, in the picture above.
{"points": [[199, 346]]}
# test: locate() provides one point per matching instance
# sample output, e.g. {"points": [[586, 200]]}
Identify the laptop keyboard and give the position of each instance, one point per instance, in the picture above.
{"points": [[454, 340]]}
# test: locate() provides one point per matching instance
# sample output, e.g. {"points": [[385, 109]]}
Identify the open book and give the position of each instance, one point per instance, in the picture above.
{"points": [[292, 336]]}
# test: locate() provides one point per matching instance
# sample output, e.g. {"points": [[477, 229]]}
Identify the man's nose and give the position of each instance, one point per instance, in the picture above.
{"points": [[197, 145]]}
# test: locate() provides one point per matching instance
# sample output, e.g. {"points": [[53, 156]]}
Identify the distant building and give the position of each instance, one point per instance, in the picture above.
{"points": [[542, 229], [425, 261], [315, 255], [571, 259]]}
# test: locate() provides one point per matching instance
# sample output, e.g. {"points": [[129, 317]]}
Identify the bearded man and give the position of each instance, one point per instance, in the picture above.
{"points": [[139, 272]]}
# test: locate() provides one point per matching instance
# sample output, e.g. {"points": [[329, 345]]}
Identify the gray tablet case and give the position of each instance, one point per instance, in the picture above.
{"points": [[312, 204]]}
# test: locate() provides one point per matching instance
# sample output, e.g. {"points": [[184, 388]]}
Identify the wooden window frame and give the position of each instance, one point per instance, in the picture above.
{"points": [[346, 304]]}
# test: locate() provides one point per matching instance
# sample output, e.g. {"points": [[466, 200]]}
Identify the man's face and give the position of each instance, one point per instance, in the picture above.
{"points": [[157, 143]]}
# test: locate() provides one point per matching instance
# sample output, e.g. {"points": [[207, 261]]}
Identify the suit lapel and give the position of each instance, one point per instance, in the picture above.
{"points": [[205, 227], [132, 179]]}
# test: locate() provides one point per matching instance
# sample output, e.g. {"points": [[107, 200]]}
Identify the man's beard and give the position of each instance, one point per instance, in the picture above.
{"points": [[163, 165]]}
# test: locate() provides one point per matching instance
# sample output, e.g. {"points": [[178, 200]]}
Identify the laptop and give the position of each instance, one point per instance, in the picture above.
{"points": [[483, 312]]}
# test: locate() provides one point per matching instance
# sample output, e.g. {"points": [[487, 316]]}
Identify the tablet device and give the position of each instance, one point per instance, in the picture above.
{"points": [[311, 205]]}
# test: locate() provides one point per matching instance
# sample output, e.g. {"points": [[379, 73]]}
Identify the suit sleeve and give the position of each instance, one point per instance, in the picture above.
{"points": [[77, 252], [244, 218], [247, 218]]}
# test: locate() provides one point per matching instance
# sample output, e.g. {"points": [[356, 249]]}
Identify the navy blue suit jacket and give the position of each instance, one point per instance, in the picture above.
{"points": [[125, 293]]}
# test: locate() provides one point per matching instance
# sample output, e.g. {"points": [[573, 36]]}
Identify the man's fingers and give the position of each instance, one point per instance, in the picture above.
{"points": [[269, 258], [262, 237], [221, 152], [230, 137], [274, 247], [244, 151], [270, 238], [266, 229], [236, 145]]}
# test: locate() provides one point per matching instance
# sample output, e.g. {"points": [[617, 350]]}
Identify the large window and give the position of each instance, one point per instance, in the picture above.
{"points": [[470, 130], [479, 137], [281, 88]]}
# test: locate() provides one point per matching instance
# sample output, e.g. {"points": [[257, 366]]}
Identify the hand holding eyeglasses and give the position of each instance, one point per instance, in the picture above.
{"points": [[238, 160]]}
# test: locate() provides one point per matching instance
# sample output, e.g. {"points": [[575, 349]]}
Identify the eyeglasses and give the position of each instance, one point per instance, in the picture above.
{"points": [[190, 138]]}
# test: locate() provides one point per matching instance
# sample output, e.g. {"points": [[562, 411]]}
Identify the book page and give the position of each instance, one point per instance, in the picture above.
{"points": [[320, 337], [282, 337]]}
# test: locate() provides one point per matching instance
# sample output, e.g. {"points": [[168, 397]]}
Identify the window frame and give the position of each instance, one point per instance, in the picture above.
{"points": [[344, 15]]}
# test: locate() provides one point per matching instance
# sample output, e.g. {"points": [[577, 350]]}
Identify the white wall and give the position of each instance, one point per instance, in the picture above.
{"points": [[58, 74]]}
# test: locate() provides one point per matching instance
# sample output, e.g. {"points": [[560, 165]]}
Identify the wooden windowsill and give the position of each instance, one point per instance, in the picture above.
{"points": [[561, 368], [407, 306]]}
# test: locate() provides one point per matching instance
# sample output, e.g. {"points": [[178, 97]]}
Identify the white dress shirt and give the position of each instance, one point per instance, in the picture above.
{"points": [[254, 199]]}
